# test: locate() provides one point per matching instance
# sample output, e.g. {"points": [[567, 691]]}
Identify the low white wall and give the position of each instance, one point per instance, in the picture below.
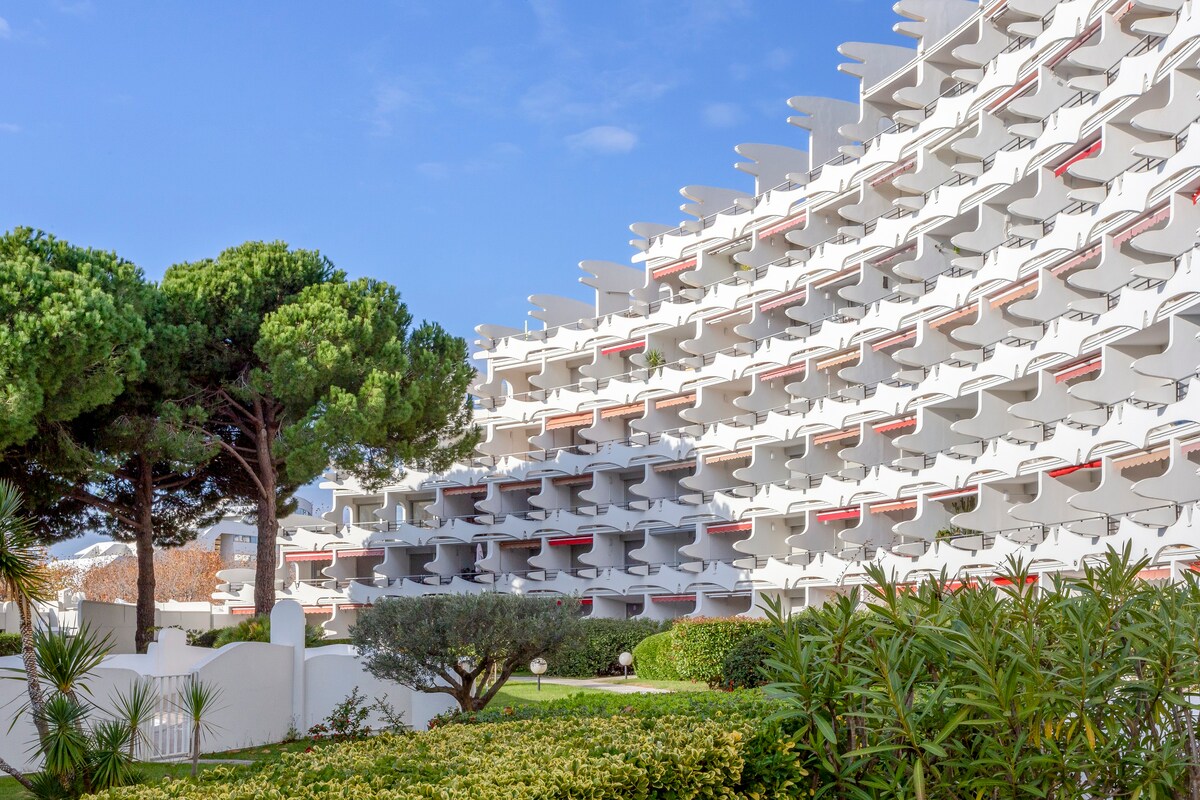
{"points": [[119, 620], [265, 689]]}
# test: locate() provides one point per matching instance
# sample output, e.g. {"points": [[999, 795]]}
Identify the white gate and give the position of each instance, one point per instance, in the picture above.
{"points": [[167, 736]]}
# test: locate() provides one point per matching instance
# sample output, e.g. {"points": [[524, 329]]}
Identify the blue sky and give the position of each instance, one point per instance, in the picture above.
{"points": [[472, 153]]}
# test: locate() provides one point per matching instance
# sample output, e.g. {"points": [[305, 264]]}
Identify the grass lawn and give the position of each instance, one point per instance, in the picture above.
{"points": [[523, 694], [674, 686]]}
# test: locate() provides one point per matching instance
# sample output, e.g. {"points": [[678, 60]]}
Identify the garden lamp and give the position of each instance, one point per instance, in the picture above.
{"points": [[626, 659], [538, 667]]}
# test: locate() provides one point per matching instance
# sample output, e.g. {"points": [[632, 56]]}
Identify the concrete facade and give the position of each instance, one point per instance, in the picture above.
{"points": [[962, 326]]}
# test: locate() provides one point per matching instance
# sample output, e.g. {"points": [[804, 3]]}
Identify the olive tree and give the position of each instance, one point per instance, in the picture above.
{"points": [[300, 370], [463, 645]]}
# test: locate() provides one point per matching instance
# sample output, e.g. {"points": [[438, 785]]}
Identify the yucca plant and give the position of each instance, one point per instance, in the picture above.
{"points": [[1065, 688], [65, 662], [136, 708], [198, 700]]}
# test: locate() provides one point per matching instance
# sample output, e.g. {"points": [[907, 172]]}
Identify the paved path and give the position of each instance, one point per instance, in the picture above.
{"points": [[237, 761], [585, 683]]}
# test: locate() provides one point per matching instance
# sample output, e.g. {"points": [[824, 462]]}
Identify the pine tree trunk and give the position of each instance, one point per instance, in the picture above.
{"points": [[145, 557], [268, 525]]}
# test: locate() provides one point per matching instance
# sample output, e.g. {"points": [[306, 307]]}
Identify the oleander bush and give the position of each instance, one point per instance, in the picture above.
{"points": [[10, 644], [594, 650], [613, 758], [1072, 689], [699, 646], [258, 629], [652, 658]]}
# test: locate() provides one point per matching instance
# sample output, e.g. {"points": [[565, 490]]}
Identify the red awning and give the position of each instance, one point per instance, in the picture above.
{"points": [[573, 480], [569, 421], [1086, 152], [673, 598], [1076, 261], [674, 465], [517, 486], [1061, 471], [781, 372], [727, 457], [1015, 292], [953, 316], [894, 172], [834, 361], [786, 225], [836, 436], [733, 527], [839, 513], [788, 299], [1008, 581], [892, 341], [895, 425], [1079, 368], [570, 540], [621, 348], [896, 505], [682, 399], [1144, 225], [623, 411], [671, 269], [309, 555], [372, 552]]}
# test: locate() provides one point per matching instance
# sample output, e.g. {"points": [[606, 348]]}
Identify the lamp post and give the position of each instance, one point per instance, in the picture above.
{"points": [[626, 659], [538, 667]]}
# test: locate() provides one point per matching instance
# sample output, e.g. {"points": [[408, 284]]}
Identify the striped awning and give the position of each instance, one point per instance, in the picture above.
{"points": [[569, 421], [674, 465], [739, 456], [1079, 368], [570, 541], [733, 527], [1138, 459], [573, 480], [671, 269], [954, 316], [309, 555], [1154, 574], [522, 544], [894, 505], [895, 425], [683, 399], [1076, 261], [1087, 152], [517, 486], [369, 552], [786, 225], [621, 348], [1142, 226], [895, 171], [844, 358], [630, 410], [450, 491], [791, 298], [836, 436], [782, 372], [892, 341], [839, 514], [1016, 292]]}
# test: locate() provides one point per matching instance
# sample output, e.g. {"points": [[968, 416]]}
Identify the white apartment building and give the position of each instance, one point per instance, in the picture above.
{"points": [[961, 326]]}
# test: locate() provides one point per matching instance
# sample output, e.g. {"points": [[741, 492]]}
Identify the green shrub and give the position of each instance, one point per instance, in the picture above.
{"points": [[600, 642], [10, 644], [699, 646], [744, 663], [652, 658], [206, 638], [258, 629], [611, 759]]}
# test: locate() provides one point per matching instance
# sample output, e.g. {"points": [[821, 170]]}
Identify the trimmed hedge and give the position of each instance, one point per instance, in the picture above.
{"points": [[601, 641], [10, 644], [744, 664], [615, 758], [652, 658], [699, 646]]}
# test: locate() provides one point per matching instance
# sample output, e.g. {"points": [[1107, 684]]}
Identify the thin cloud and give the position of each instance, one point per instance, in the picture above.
{"points": [[603, 140], [5, 29], [722, 115], [9, 127], [392, 100]]}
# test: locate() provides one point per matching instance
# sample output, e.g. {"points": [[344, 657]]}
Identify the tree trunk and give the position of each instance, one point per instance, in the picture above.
{"points": [[33, 683], [17, 775], [268, 525], [145, 556]]}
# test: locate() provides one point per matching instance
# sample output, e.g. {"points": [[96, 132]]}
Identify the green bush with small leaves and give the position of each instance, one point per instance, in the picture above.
{"points": [[600, 642], [258, 629], [744, 664], [10, 644], [652, 658], [699, 646]]}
